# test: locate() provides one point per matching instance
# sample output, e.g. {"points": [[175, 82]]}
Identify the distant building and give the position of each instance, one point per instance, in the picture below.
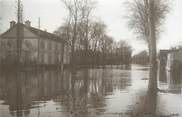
{"points": [[36, 46], [170, 61], [169, 57]]}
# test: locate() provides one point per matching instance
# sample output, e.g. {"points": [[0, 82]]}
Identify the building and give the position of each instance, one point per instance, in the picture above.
{"points": [[32, 46], [170, 57], [170, 61]]}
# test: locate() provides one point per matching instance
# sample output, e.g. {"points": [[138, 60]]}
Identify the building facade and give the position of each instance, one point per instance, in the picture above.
{"points": [[170, 62], [32, 46]]}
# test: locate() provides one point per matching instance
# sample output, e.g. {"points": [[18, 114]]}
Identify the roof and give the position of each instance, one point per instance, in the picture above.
{"points": [[169, 51], [164, 53], [44, 34], [38, 32]]}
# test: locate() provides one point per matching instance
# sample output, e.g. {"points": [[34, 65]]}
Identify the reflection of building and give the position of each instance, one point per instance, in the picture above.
{"points": [[19, 90], [36, 46]]}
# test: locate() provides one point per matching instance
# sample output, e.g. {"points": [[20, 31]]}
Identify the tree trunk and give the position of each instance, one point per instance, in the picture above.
{"points": [[73, 43], [86, 43], [152, 49]]}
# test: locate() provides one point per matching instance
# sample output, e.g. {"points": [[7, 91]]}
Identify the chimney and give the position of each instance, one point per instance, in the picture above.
{"points": [[12, 23], [28, 23]]}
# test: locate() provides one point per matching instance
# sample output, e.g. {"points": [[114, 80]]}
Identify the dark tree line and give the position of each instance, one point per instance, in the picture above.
{"points": [[141, 58]]}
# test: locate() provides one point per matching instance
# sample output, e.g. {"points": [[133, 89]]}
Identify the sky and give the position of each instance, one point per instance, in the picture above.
{"points": [[52, 14]]}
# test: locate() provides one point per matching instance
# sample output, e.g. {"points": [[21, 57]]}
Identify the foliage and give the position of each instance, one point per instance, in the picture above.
{"points": [[138, 16], [146, 18]]}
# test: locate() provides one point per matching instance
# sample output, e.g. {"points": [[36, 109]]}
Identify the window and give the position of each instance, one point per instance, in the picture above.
{"points": [[56, 46], [50, 45], [42, 44]]}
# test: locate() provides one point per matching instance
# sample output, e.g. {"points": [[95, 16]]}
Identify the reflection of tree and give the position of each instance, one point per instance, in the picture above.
{"points": [[79, 92], [82, 93], [85, 90], [146, 106]]}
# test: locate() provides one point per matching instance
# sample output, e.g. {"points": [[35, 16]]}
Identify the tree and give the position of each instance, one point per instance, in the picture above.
{"points": [[73, 8], [87, 8], [98, 30], [146, 18], [77, 24], [87, 38]]}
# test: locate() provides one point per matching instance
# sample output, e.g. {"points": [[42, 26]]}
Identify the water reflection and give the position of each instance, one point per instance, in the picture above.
{"points": [[171, 81], [146, 105], [159, 105], [21, 90], [166, 103], [75, 93], [88, 88], [83, 93]]}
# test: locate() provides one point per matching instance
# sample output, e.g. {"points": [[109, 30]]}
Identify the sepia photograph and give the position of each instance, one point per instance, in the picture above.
{"points": [[90, 58]]}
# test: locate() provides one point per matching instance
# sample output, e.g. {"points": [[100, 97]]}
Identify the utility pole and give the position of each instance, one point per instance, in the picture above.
{"points": [[19, 31], [38, 61], [39, 23], [18, 12]]}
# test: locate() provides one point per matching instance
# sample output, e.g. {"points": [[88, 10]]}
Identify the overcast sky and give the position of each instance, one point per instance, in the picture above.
{"points": [[52, 14]]}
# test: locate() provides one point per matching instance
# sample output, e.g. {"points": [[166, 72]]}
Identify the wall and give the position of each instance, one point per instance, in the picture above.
{"points": [[8, 51], [50, 52], [29, 53], [34, 50]]}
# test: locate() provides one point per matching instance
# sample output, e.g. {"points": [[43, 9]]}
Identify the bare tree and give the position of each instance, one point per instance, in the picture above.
{"points": [[87, 38], [146, 18], [98, 30], [87, 9], [72, 7], [79, 12]]}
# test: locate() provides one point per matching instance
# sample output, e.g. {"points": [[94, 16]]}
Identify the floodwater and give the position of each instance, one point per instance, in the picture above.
{"points": [[109, 92]]}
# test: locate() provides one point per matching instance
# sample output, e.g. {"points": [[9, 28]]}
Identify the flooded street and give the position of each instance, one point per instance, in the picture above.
{"points": [[108, 92]]}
